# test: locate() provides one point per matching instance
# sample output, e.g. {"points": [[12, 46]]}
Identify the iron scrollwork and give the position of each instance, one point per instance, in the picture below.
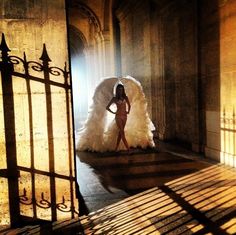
{"points": [[15, 60], [24, 199], [65, 208], [35, 66], [62, 206], [56, 71], [45, 204]]}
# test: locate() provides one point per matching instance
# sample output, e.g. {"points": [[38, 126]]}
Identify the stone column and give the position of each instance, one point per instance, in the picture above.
{"points": [[108, 59]]}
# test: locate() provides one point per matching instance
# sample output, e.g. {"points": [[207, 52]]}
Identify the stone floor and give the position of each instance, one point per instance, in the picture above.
{"points": [[199, 203], [105, 178], [167, 190]]}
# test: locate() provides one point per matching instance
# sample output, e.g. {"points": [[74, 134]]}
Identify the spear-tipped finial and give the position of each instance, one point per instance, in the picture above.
{"points": [[3, 45], [44, 57], [24, 56]]}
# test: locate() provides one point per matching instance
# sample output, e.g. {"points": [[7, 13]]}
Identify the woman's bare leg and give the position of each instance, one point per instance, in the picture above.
{"points": [[121, 125], [118, 141], [124, 140]]}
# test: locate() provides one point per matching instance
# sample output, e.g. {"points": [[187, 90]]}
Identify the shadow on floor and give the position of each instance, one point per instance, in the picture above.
{"points": [[106, 178], [176, 195], [199, 203]]}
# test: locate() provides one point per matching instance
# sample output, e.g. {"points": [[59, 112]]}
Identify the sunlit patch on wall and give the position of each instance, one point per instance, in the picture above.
{"points": [[40, 132], [65, 200], [228, 138], [61, 131], [4, 200], [26, 194], [34, 196], [3, 163], [21, 108], [4, 203], [43, 196]]}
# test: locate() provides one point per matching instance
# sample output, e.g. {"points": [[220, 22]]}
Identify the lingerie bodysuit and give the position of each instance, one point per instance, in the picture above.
{"points": [[121, 109]]}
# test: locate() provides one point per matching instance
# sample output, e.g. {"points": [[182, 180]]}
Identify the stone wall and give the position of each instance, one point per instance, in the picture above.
{"points": [[42, 116], [210, 69], [92, 46], [228, 82], [134, 20], [27, 25], [159, 47], [183, 54], [218, 61]]}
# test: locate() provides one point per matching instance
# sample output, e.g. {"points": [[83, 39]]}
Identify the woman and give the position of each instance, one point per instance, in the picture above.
{"points": [[121, 101], [138, 128]]}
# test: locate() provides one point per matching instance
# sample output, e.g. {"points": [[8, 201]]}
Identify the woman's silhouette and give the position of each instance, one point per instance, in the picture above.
{"points": [[102, 132], [122, 109]]}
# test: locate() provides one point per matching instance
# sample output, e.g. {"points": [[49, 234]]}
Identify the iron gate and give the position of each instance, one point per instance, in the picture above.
{"points": [[37, 164]]}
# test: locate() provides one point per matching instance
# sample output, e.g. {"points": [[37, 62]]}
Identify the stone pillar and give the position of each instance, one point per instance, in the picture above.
{"points": [[158, 82], [175, 71], [210, 69], [109, 69], [134, 20], [218, 65]]}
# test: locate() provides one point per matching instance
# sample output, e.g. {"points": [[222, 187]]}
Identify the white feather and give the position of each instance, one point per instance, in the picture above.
{"points": [[100, 132]]}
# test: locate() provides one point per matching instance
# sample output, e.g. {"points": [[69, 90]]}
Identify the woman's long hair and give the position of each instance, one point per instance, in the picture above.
{"points": [[121, 95]]}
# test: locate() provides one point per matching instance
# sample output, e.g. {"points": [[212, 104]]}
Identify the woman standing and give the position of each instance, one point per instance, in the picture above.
{"points": [[121, 100]]}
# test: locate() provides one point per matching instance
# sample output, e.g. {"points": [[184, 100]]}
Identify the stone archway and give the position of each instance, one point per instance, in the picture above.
{"points": [[78, 48], [90, 33]]}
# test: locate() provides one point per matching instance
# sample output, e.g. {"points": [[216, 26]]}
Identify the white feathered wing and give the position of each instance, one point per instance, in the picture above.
{"points": [[100, 133]]}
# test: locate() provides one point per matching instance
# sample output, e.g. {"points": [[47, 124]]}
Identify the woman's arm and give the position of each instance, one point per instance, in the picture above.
{"points": [[128, 103], [109, 104]]}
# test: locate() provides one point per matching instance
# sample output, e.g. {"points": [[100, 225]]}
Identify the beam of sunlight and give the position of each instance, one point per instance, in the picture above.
{"points": [[81, 97], [202, 202], [230, 226]]}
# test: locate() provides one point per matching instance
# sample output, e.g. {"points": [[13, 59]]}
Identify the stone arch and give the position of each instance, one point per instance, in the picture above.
{"points": [[76, 34], [107, 14], [87, 11]]}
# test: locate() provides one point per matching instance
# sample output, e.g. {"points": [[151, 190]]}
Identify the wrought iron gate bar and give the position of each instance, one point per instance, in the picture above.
{"points": [[52, 83], [36, 171], [10, 66]]}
